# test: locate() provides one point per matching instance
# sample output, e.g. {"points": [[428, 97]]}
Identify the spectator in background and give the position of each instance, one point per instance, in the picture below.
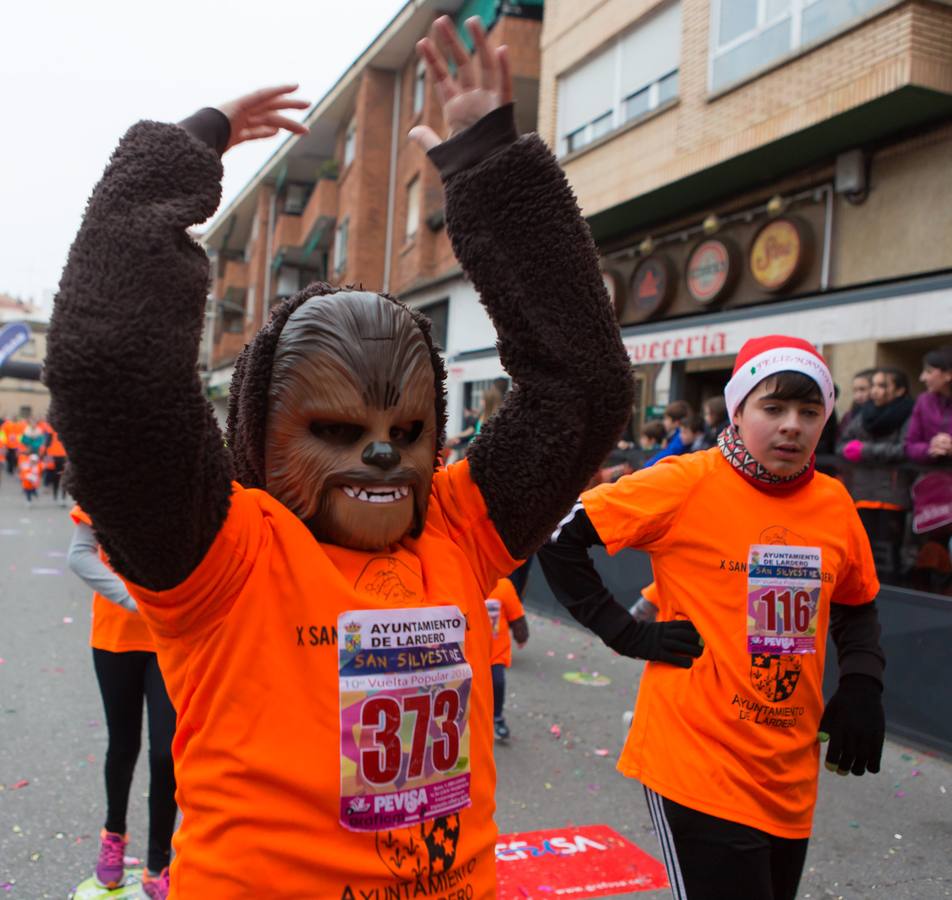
{"points": [[862, 385], [492, 400], [875, 439], [674, 414], [929, 438], [829, 439], [652, 437], [715, 420], [692, 434]]}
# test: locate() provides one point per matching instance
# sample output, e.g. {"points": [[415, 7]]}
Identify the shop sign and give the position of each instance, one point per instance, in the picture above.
{"points": [[711, 271], [651, 288], [707, 343], [777, 254]]}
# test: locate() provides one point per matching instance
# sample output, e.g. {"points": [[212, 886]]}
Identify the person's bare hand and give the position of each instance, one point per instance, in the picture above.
{"points": [[940, 445], [259, 114], [483, 80]]}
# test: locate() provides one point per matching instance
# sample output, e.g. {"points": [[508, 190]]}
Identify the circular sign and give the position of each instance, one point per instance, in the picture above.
{"points": [[777, 254], [616, 290], [710, 271], [651, 289]]}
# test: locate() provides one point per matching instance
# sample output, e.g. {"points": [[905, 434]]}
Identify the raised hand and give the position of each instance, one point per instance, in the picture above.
{"points": [[483, 81], [258, 114]]}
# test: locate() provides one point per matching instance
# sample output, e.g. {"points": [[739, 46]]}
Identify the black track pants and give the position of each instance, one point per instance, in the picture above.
{"points": [[714, 859]]}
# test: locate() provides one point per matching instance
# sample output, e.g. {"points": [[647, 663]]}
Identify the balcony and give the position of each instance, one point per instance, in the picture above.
{"points": [[320, 214], [287, 233], [232, 285]]}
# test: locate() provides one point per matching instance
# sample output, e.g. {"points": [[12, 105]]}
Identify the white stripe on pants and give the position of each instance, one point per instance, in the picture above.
{"points": [[668, 850]]}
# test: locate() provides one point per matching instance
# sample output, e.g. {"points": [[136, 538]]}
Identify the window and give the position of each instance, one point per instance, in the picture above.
{"points": [[340, 246], [438, 313], [419, 87], [747, 35], [413, 207], [350, 142], [628, 79], [289, 281], [295, 198]]}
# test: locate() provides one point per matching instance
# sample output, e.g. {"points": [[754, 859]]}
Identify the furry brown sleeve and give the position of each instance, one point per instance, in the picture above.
{"points": [[146, 457], [518, 233]]}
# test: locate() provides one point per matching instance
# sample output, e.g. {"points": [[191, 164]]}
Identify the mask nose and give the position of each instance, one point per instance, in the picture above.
{"points": [[380, 454]]}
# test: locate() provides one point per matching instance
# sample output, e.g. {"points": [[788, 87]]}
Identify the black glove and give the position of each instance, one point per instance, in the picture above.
{"points": [[856, 725], [677, 642], [520, 630]]}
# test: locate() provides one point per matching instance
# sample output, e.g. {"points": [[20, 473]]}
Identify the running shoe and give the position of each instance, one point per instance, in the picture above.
{"points": [[501, 729], [110, 869], [156, 887]]}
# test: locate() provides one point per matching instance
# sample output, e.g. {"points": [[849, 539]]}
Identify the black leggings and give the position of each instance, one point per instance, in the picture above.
{"points": [[124, 679], [708, 858], [499, 689]]}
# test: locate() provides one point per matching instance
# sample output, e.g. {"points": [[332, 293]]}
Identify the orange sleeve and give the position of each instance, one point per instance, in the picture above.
{"points": [[639, 509], [858, 584], [78, 515], [462, 511], [512, 608], [208, 594], [650, 593]]}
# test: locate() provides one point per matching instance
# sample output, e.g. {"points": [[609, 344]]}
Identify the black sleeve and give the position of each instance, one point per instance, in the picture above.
{"points": [[576, 584], [147, 459], [855, 631], [518, 233]]}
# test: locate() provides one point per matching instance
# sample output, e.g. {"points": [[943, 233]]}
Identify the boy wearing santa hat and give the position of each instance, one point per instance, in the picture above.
{"points": [[756, 557]]}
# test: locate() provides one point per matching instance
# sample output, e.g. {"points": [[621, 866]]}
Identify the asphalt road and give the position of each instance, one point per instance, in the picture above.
{"points": [[886, 836]]}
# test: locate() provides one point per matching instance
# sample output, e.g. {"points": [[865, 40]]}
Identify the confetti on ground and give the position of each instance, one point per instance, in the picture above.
{"points": [[854, 824], [601, 751], [570, 656], [915, 772], [900, 793], [39, 570], [591, 679], [9, 532], [550, 653], [22, 783], [2, 660], [67, 620], [555, 731], [56, 554]]}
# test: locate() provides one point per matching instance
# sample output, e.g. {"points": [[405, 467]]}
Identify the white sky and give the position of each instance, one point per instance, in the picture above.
{"points": [[75, 75]]}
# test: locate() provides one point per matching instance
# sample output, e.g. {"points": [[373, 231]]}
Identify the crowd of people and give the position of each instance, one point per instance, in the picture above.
{"points": [[34, 454]]}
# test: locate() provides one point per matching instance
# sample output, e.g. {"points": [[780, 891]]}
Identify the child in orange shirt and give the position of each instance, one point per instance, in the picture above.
{"points": [[29, 468], [505, 615], [127, 672], [754, 550]]}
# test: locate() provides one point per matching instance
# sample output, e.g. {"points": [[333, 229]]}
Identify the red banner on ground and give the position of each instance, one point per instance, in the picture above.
{"points": [[578, 861]]}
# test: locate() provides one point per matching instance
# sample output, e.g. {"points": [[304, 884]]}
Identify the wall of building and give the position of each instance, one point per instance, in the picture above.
{"points": [[908, 44], [905, 224]]}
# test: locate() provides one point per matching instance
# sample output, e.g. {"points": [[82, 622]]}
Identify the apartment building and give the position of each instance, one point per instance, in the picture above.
{"points": [[355, 202], [755, 166]]}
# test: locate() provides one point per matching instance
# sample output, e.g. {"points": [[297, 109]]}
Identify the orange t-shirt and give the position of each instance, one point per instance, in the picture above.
{"points": [[266, 771], [735, 735], [56, 447], [29, 473], [504, 606], [114, 628]]}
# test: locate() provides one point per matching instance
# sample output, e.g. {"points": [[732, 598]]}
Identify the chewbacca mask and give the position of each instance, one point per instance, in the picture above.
{"points": [[352, 419]]}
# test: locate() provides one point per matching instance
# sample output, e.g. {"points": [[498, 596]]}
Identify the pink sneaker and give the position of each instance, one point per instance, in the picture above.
{"points": [[156, 887], [110, 869]]}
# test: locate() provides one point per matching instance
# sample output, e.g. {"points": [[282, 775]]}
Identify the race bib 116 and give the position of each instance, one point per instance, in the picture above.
{"points": [[783, 598]]}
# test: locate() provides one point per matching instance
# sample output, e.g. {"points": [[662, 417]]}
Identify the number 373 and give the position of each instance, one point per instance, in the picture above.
{"points": [[381, 761]]}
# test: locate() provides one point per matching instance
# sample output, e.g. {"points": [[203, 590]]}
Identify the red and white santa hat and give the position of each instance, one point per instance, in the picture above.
{"points": [[762, 357]]}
